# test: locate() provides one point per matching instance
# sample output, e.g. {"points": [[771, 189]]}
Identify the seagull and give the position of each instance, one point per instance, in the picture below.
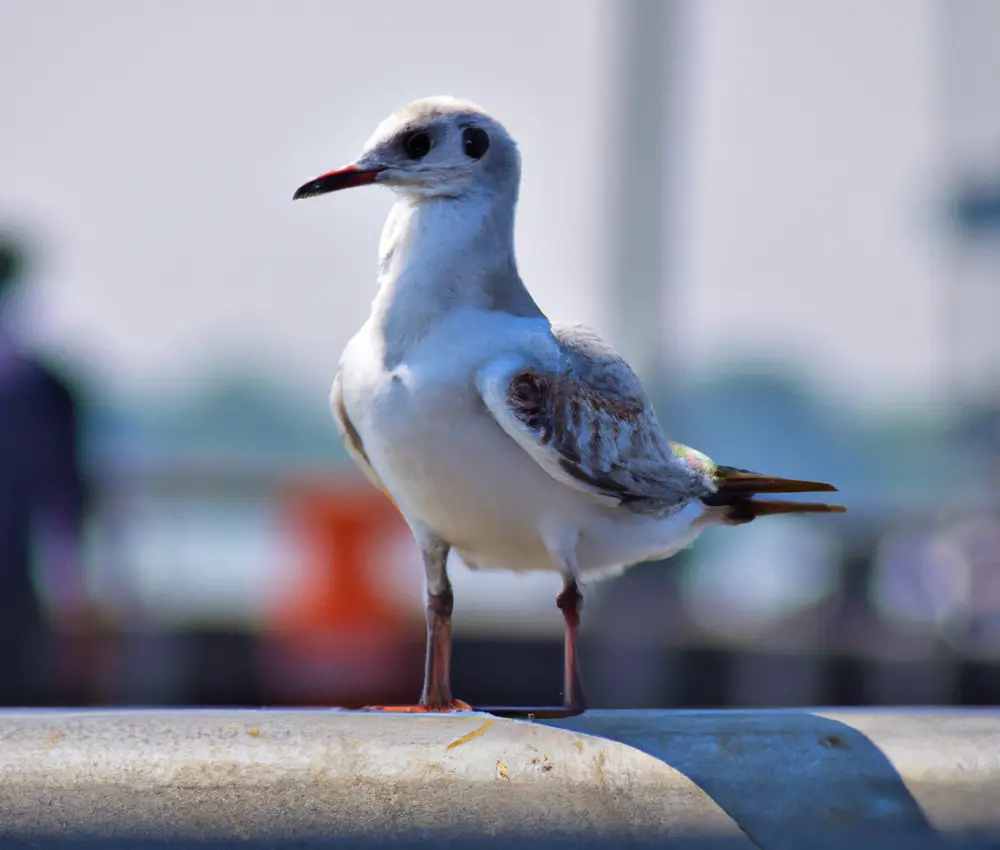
{"points": [[519, 443]]}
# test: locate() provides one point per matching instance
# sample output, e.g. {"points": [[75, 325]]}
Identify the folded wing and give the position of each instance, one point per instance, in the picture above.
{"points": [[585, 419]]}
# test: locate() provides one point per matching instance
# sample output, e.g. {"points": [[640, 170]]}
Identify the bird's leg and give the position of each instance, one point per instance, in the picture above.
{"points": [[570, 602], [436, 694], [437, 669]]}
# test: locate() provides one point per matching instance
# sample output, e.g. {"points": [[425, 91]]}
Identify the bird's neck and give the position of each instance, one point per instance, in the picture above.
{"points": [[442, 254]]}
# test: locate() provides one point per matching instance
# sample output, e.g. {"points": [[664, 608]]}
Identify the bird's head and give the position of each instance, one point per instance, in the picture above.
{"points": [[435, 147]]}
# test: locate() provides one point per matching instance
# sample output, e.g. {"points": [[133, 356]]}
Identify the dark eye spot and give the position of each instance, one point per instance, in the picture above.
{"points": [[475, 142], [416, 145]]}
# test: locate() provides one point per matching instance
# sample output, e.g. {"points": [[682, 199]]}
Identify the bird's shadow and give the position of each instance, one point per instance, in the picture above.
{"points": [[790, 779]]}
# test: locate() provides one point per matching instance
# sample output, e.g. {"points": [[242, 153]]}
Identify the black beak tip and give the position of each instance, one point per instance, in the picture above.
{"points": [[306, 191], [334, 181]]}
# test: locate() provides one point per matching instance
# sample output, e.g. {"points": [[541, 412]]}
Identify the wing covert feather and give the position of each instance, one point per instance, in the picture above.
{"points": [[586, 420]]}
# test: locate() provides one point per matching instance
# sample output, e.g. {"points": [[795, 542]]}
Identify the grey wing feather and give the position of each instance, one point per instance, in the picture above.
{"points": [[589, 423], [350, 436]]}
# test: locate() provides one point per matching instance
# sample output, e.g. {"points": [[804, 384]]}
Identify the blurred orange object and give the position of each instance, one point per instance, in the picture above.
{"points": [[333, 634]]}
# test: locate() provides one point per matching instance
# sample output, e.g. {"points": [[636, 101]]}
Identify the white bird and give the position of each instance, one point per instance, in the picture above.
{"points": [[519, 443]]}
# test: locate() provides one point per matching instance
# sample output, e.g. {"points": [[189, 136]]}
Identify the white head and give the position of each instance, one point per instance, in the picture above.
{"points": [[435, 147]]}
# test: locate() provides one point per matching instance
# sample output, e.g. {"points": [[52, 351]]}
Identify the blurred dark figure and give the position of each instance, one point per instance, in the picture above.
{"points": [[42, 506]]}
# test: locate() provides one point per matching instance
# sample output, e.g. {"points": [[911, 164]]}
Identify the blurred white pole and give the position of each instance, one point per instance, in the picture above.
{"points": [[643, 99], [968, 74]]}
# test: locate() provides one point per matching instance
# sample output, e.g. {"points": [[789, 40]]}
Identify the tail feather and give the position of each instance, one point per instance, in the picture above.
{"points": [[753, 508], [736, 489], [740, 482]]}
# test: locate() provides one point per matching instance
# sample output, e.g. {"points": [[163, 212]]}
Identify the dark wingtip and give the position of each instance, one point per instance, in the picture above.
{"points": [[822, 487], [746, 510], [742, 482], [764, 507]]}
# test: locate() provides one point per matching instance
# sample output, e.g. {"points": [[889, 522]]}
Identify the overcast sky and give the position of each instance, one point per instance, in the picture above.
{"points": [[157, 145]]}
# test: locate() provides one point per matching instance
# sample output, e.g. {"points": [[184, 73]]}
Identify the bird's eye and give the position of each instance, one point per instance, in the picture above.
{"points": [[475, 142], [416, 145]]}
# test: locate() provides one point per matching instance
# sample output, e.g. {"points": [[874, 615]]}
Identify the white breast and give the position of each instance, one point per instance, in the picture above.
{"points": [[453, 471], [446, 462]]}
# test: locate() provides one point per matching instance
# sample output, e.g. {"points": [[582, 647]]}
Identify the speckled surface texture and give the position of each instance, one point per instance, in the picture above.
{"points": [[732, 780]]}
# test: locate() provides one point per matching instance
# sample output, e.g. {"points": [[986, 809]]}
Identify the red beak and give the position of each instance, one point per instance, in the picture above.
{"points": [[342, 178]]}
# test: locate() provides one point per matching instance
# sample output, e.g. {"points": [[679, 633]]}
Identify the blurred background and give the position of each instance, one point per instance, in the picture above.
{"points": [[786, 215]]}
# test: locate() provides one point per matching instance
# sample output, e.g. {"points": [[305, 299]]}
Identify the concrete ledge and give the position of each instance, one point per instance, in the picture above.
{"points": [[732, 780]]}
